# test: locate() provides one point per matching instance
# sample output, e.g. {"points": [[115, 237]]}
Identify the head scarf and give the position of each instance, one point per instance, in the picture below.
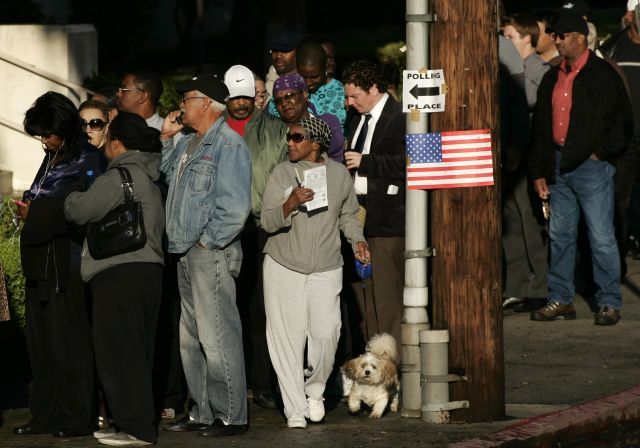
{"points": [[317, 130], [286, 82]]}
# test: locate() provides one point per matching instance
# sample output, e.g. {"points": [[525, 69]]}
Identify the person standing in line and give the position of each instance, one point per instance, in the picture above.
{"points": [[624, 49], [209, 199], [140, 93], [265, 138], [125, 309], [582, 121], [58, 339], [524, 235], [376, 156], [303, 269], [291, 98]]}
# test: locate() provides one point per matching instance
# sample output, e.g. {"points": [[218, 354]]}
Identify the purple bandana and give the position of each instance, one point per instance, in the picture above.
{"points": [[293, 82]]}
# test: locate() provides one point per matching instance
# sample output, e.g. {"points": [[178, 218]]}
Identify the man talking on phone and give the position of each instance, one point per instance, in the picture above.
{"points": [[209, 198]]}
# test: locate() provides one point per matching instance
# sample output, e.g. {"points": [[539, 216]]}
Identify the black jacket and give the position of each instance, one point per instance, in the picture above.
{"points": [[600, 122], [385, 165]]}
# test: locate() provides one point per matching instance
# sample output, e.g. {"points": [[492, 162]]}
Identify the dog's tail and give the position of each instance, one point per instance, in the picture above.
{"points": [[383, 345]]}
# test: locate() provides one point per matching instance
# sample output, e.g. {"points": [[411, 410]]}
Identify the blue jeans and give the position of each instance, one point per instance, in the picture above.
{"points": [[588, 188], [211, 334]]}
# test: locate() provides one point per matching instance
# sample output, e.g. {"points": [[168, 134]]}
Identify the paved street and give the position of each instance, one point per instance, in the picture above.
{"points": [[549, 366]]}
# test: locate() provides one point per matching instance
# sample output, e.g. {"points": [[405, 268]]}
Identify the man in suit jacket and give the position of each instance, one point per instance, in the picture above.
{"points": [[376, 156]]}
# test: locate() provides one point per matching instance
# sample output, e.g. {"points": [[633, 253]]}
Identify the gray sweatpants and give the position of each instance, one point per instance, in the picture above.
{"points": [[301, 308]]}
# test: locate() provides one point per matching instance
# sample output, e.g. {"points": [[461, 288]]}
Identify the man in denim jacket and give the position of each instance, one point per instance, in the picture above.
{"points": [[209, 198]]}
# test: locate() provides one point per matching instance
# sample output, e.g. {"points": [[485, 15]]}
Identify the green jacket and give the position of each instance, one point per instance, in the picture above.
{"points": [[265, 137]]}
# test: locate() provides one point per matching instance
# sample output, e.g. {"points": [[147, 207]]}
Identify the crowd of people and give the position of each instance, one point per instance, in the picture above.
{"points": [[570, 151], [260, 195]]}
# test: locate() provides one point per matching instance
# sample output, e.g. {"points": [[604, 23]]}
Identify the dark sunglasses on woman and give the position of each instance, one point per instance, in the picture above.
{"points": [[94, 124], [296, 137]]}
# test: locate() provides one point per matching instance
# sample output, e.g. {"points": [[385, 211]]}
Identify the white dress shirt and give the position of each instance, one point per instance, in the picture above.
{"points": [[360, 182]]}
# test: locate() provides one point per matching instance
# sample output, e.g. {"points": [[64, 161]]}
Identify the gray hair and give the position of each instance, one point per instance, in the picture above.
{"points": [[218, 106]]}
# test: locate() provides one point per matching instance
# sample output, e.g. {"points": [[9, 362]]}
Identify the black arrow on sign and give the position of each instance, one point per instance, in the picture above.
{"points": [[424, 91]]}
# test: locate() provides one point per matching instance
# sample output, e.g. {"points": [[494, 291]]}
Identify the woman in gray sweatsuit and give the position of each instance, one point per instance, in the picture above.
{"points": [[303, 269], [126, 288]]}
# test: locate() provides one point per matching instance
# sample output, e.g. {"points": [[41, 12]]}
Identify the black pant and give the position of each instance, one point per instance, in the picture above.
{"points": [[61, 356], [126, 300], [625, 176], [169, 382], [251, 306]]}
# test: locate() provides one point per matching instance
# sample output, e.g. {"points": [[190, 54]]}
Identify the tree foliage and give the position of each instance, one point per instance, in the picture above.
{"points": [[10, 259]]}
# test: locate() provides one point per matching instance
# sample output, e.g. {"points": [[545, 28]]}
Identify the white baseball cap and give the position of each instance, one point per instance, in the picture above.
{"points": [[240, 82], [631, 4]]}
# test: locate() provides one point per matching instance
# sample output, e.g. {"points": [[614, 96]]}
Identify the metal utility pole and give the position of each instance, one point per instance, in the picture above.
{"points": [[465, 222], [415, 295]]}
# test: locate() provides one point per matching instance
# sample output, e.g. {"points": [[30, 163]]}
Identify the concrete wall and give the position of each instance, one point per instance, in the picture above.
{"points": [[69, 52]]}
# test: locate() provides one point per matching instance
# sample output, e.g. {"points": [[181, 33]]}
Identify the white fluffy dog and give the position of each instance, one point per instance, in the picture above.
{"points": [[372, 378]]}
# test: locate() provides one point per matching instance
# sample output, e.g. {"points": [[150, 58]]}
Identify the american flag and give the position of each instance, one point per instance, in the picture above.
{"points": [[449, 160]]}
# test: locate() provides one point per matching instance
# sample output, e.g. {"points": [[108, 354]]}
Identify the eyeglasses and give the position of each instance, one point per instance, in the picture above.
{"points": [[94, 124], [126, 89], [263, 95], [288, 97], [187, 98], [296, 137]]}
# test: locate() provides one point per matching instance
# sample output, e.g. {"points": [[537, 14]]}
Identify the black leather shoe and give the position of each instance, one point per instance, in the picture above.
{"points": [[68, 433], [528, 305], [184, 425], [25, 430], [219, 429], [265, 401]]}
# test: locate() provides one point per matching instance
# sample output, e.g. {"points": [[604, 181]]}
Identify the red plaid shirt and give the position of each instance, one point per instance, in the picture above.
{"points": [[562, 98]]}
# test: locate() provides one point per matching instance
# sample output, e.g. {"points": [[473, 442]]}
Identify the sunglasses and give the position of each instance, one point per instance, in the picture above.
{"points": [[94, 124], [286, 97], [561, 36], [296, 137]]}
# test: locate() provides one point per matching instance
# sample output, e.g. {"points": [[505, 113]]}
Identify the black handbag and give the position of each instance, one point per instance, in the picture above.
{"points": [[122, 229]]}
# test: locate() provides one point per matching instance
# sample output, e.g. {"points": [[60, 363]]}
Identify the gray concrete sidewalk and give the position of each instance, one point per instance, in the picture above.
{"points": [[549, 366]]}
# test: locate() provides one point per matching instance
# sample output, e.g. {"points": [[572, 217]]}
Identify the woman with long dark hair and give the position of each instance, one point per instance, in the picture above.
{"points": [[126, 288], [62, 399]]}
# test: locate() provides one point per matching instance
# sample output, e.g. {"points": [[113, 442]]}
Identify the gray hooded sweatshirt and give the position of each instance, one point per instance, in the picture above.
{"points": [[106, 193]]}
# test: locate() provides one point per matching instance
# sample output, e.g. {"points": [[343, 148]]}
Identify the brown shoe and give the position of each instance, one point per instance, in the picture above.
{"points": [[554, 311], [607, 316]]}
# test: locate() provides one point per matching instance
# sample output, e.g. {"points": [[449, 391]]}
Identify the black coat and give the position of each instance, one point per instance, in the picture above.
{"points": [[385, 165], [600, 123]]}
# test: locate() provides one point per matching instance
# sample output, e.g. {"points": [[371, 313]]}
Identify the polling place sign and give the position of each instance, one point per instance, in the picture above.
{"points": [[423, 90]]}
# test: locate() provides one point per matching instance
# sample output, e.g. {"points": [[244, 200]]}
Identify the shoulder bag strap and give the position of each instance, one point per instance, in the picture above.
{"points": [[127, 183]]}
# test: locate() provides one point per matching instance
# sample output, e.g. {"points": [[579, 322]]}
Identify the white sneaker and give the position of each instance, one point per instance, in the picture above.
{"points": [[106, 432], [123, 439], [316, 409], [168, 413], [297, 421]]}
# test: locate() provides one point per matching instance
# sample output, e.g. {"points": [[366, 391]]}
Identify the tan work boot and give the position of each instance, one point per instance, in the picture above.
{"points": [[554, 311], [607, 316]]}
